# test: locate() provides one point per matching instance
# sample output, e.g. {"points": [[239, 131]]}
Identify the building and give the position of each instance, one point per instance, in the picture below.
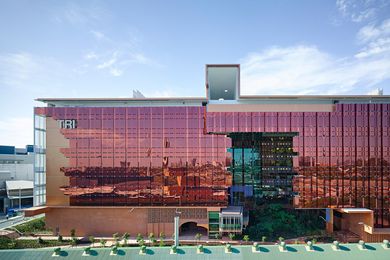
{"points": [[111, 163], [16, 177]]}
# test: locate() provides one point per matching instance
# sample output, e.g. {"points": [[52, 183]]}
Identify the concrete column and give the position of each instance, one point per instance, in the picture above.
{"points": [[329, 221], [176, 230]]}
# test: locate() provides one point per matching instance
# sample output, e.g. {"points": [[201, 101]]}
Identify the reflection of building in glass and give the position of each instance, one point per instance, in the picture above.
{"points": [[121, 160]]}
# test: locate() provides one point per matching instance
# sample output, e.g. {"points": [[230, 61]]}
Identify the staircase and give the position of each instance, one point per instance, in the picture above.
{"points": [[346, 236]]}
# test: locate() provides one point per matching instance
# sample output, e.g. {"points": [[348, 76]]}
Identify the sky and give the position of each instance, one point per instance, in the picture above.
{"points": [[109, 48]]}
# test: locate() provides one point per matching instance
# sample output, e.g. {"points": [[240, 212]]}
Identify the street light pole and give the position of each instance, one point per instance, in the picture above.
{"points": [[20, 199], [176, 228]]}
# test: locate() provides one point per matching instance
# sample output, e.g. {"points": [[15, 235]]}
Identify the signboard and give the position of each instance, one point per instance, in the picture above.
{"points": [[67, 123]]}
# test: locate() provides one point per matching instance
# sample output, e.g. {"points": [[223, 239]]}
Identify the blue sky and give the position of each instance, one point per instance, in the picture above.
{"points": [[108, 48]]}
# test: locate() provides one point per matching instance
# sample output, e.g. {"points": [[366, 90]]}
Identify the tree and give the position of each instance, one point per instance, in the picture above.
{"points": [[139, 237], [103, 242], [151, 239], [232, 236], [217, 236], [60, 238], [40, 240], [246, 238], [57, 251], [74, 241], [73, 232], [161, 243], [115, 236], [141, 242], [87, 250], [198, 236], [125, 237], [162, 237], [91, 239]]}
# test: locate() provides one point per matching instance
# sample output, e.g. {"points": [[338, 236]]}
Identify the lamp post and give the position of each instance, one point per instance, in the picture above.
{"points": [[176, 228], [20, 199]]}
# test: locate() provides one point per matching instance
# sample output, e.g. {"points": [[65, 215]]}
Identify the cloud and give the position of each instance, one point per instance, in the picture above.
{"points": [[90, 56], [26, 71], [376, 38], [109, 63], [355, 10], [98, 35], [16, 131], [360, 10], [76, 15], [115, 72], [304, 69], [116, 57]]}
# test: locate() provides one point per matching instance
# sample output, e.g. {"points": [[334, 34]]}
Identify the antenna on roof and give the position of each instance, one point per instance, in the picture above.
{"points": [[137, 94]]}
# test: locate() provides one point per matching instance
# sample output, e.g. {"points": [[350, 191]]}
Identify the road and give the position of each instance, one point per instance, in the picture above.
{"points": [[17, 220]]}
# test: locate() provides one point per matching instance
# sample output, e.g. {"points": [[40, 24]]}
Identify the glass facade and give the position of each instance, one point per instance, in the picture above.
{"points": [[188, 156], [40, 160], [342, 156], [262, 167], [141, 156]]}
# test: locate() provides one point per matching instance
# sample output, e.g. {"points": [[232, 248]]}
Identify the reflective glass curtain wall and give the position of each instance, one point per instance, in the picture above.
{"points": [[343, 156], [40, 160], [162, 156], [141, 156]]}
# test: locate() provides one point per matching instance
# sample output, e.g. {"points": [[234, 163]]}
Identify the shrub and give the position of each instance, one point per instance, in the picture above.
{"points": [[91, 239], [115, 236], [73, 232], [60, 238], [125, 237], [32, 226], [161, 243], [198, 236], [74, 241], [40, 240], [139, 237]]}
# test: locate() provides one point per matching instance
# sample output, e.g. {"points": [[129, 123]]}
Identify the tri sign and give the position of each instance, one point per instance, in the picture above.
{"points": [[67, 123]]}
